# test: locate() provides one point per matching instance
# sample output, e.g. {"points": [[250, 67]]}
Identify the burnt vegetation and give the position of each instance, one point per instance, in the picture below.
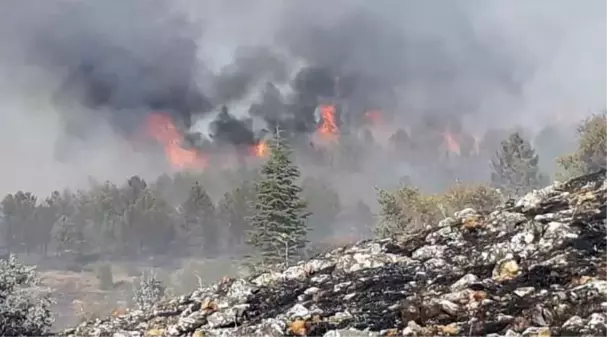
{"points": [[264, 220], [268, 162]]}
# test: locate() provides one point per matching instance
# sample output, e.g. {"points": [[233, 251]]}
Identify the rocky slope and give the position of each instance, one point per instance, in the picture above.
{"points": [[535, 267]]}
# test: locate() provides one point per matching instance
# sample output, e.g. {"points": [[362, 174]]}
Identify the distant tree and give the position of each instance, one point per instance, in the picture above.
{"points": [[322, 202], [515, 168], [279, 229], [21, 219], [198, 222], [234, 211], [135, 188], [401, 143], [53, 208], [68, 235], [103, 209], [25, 307], [591, 154], [149, 222]]}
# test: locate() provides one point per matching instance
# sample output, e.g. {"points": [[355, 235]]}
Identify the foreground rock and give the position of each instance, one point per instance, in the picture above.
{"points": [[533, 268]]}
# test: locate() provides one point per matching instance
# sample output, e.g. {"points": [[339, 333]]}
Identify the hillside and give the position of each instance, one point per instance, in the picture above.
{"points": [[533, 267]]}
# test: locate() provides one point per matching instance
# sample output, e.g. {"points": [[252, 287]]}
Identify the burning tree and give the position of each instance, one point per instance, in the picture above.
{"points": [[515, 166], [279, 230]]}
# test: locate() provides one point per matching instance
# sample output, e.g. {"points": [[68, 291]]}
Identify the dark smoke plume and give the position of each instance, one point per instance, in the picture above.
{"points": [[136, 63], [140, 57], [228, 129], [426, 65]]}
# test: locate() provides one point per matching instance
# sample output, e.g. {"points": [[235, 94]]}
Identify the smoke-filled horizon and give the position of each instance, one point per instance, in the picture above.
{"points": [[79, 80]]}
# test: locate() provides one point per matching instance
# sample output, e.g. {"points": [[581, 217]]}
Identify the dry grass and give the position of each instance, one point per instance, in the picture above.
{"points": [[79, 296]]}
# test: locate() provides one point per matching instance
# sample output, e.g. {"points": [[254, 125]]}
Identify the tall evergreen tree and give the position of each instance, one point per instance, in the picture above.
{"points": [[68, 235], [279, 229], [515, 167], [199, 224], [234, 212]]}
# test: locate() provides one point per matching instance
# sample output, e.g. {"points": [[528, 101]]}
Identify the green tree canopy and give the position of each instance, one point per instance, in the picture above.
{"points": [[515, 167], [279, 231]]}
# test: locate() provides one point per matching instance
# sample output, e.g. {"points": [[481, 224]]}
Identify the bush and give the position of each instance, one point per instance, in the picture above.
{"points": [[408, 209], [147, 291], [24, 305], [480, 197], [591, 154]]}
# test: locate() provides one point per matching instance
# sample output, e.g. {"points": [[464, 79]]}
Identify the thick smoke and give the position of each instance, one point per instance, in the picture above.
{"points": [[80, 77]]}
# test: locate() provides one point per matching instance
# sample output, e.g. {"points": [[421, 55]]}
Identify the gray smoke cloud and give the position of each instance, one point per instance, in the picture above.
{"points": [[78, 78]]}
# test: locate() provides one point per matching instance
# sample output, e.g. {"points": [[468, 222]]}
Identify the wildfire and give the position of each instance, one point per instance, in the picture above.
{"points": [[261, 149], [451, 143], [328, 128], [161, 127]]}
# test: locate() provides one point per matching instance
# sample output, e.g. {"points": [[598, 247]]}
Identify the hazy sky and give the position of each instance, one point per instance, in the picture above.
{"points": [[503, 62]]}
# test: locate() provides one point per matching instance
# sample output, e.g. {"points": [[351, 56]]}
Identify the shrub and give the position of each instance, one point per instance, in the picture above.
{"points": [[591, 154], [147, 291], [480, 197], [24, 305], [408, 209]]}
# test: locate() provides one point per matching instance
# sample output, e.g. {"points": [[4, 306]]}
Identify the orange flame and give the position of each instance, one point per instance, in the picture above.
{"points": [[261, 149], [374, 116], [328, 128], [451, 143], [162, 128]]}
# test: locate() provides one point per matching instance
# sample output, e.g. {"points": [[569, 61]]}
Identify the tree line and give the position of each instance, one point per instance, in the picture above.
{"points": [[515, 170], [174, 214], [267, 213]]}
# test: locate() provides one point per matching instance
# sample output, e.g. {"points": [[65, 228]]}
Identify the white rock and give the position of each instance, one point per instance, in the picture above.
{"points": [[574, 321], [311, 291], [524, 291], [298, 310], [464, 282], [596, 321], [428, 252]]}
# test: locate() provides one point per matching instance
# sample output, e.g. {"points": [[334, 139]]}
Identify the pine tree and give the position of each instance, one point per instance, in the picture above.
{"points": [[515, 167], [199, 221], [68, 235], [279, 229], [234, 212]]}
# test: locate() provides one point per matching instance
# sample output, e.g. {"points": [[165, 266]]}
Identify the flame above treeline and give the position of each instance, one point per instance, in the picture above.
{"points": [[162, 128]]}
